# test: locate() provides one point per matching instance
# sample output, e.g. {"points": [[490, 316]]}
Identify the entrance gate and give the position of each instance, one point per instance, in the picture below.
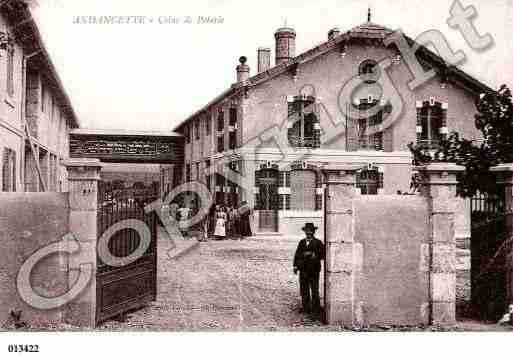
{"points": [[488, 247], [121, 289]]}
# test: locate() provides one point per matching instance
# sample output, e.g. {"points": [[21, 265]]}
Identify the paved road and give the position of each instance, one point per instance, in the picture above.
{"points": [[234, 285]]}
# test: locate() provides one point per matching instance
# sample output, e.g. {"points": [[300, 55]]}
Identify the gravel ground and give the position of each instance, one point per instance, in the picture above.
{"points": [[230, 285], [239, 285]]}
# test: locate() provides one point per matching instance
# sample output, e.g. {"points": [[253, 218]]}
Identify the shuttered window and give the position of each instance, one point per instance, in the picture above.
{"points": [[302, 190], [8, 170]]}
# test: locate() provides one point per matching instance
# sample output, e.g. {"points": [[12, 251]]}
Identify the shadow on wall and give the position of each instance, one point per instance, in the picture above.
{"points": [[29, 222]]}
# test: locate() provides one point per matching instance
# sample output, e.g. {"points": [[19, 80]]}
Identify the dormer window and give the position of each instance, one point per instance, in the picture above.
{"points": [[368, 71], [303, 122]]}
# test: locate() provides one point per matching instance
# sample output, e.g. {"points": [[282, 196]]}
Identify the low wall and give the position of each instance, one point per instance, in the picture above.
{"points": [[392, 285], [290, 223], [29, 222]]}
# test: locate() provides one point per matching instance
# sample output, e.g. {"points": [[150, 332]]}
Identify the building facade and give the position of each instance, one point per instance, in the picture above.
{"points": [[35, 111], [269, 135]]}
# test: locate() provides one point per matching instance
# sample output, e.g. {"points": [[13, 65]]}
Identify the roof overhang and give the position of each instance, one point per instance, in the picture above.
{"points": [[24, 28]]}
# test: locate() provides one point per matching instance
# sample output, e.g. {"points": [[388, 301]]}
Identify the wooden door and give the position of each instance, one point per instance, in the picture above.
{"points": [[268, 206]]}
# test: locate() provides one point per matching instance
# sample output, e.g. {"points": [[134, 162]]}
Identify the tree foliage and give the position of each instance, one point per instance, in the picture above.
{"points": [[494, 119]]}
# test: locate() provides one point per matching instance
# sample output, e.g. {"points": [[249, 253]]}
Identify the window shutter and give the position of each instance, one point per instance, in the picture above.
{"points": [[318, 202], [443, 123], [5, 170], [8, 170], [351, 128], [362, 124], [317, 126], [419, 124], [303, 190], [281, 203]]}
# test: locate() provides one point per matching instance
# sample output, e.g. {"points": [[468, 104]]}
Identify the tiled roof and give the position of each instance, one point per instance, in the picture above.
{"points": [[366, 30]]}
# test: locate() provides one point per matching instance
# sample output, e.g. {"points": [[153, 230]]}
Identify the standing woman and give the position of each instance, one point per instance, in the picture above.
{"points": [[235, 223], [212, 220], [220, 231], [244, 221]]}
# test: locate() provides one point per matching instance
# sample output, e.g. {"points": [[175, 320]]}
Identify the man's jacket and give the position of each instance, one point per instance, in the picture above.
{"points": [[308, 258]]}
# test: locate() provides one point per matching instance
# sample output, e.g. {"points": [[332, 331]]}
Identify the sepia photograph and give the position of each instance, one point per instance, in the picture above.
{"points": [[243, 167]]}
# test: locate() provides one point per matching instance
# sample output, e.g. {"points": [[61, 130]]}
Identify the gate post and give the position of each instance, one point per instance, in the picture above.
{"points": [[439, 187], [505, 178], [83, 177], [341, 253]]}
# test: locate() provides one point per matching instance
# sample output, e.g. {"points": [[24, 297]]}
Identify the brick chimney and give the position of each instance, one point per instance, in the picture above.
{"points": [[285, 44], [264, 59], [242, 70]]}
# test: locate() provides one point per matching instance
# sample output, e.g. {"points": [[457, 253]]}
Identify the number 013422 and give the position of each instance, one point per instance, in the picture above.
{"points": [[23, 348]]}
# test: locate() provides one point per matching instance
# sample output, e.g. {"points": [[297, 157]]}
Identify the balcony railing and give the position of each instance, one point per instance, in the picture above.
{"points": [[309, 142], [429, 144]]}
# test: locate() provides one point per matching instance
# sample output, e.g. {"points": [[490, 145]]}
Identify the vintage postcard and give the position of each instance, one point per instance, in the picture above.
{"points": [[254, 166]]}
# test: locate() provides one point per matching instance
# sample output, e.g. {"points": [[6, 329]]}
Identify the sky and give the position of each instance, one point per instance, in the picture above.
{"points": [[151, 76]]}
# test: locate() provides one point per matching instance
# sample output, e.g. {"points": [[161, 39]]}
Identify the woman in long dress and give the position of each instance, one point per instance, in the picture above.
{"points": [[244, 221], [220, 231]]}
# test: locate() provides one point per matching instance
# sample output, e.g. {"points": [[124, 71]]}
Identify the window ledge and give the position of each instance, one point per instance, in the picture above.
{"points": [[300, 214]]}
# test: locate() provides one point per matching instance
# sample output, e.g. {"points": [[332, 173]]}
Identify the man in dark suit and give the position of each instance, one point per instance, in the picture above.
{"points": [[307, 260]]}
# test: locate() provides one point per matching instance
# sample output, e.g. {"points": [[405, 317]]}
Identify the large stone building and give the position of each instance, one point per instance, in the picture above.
{"points": [[279, 127], [35, 111]]}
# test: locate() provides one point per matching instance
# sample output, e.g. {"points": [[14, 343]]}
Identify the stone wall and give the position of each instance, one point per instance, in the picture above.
{"points": [[390, 260], [29, 222], [391, 283], [51, 238]]}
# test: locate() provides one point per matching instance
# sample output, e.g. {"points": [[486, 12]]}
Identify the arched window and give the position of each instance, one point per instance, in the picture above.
{"points": [[369, 71], [302, 190]]}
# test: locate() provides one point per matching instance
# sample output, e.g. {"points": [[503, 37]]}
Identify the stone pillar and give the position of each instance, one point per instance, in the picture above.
{"points": [[505, 179], [340, 247], [83, 177], [439, 187]]}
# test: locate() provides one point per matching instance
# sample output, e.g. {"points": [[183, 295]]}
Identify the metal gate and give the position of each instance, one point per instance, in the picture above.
{"points": [[122, 288], [488, 248]]}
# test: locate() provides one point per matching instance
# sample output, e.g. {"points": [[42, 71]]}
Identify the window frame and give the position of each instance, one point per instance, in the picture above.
{"points": [[299, 140], [431, 117]]}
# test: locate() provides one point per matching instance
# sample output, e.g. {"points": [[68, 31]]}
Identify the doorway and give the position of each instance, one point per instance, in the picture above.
{"points": [[267, 181]]}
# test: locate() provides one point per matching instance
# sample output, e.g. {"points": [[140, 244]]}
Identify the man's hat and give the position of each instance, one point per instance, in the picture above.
{"points": [[309, 225]]}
